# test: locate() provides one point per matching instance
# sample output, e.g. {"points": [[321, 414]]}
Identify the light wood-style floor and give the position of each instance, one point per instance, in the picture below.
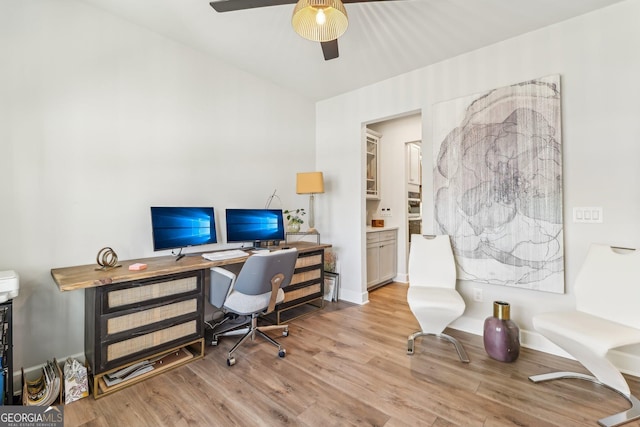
{"points": [[347, 365]]}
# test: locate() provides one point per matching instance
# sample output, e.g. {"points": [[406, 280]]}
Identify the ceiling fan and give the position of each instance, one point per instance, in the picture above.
{"points": [[316, 20]]}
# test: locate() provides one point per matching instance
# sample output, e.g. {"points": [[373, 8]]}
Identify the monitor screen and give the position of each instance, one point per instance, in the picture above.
{"points": [[179, 227], [253, 225]]}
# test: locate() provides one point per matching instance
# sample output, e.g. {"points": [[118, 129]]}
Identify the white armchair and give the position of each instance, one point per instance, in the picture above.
{"points": [[607, 316], [432, 295]]}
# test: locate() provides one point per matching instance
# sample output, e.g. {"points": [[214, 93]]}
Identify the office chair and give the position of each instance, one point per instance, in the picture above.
{"points": [[432, 294], [606, 317], [253, 292]]}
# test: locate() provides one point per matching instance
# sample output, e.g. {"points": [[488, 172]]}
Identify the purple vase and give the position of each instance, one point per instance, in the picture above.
{"points": [[501, 334]]}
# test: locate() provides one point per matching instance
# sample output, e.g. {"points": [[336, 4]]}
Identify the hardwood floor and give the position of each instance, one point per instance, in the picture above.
{"points": [[347, 365]]}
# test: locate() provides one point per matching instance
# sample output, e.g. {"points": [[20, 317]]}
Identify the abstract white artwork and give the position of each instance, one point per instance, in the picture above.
{"points": [[498, 184]]}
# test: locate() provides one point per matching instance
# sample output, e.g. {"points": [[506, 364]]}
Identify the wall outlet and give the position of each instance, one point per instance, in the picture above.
{"points": [[477, 294], [385, 212]]}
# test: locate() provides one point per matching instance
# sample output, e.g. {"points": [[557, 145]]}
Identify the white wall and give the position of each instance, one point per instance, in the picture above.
{"points": [[595, 56], [100, 119]]}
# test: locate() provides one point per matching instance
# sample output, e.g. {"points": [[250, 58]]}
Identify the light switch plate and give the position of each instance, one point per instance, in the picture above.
{"points": [[588, 215]]}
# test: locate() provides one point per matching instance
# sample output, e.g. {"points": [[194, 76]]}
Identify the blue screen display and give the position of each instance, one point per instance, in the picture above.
{"points": [[251, 225], [179, 227]]}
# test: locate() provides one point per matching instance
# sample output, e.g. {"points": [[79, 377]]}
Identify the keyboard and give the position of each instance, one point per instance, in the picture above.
{"points": [[221, 255]]}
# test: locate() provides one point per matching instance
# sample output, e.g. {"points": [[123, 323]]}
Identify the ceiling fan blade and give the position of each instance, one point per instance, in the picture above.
{"points": [[231, 5], [330, 49], [362, 1]]}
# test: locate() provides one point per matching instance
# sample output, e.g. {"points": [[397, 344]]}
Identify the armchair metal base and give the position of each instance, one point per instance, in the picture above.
{"points": [[250, 332], [611, 421], [462, 354]]}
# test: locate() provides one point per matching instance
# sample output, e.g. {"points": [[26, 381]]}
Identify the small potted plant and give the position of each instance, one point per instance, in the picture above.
{"points": [[294, 219]]}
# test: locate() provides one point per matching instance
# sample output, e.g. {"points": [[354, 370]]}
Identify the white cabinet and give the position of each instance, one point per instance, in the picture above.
{"points": [[382, 257], [414, 164], [373, 164]]}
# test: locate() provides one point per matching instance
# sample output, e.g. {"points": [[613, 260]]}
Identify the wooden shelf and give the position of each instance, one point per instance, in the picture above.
{"points": [[163, 362]]}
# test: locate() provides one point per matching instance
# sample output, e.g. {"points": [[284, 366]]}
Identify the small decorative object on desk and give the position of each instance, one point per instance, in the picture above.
{"points": [[501, 334], [107, 259], [294, 219]]}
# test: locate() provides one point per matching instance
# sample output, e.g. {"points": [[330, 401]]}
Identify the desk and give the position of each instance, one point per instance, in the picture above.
{"points": [[157, 313]]}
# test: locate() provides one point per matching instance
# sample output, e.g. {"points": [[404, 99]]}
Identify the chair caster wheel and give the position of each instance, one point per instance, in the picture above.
{"points": [[282, 353], [231, 361], [285, 333]]}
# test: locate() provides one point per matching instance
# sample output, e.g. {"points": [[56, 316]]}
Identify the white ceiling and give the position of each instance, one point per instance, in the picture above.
{"points": [[384, 39]]}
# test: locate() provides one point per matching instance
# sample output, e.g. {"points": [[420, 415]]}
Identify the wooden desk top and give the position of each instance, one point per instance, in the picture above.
{"points": [[86, 276]]}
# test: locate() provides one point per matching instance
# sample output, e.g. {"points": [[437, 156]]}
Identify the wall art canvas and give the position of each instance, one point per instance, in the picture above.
{"points": [[498, 184]]}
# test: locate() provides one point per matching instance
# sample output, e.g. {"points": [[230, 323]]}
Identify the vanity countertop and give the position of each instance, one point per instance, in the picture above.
{"points": [[376, 229]]}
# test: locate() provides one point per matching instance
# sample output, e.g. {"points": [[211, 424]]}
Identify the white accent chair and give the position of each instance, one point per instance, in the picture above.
{"points": [[432, 294], [607, 316], [255, 291]]}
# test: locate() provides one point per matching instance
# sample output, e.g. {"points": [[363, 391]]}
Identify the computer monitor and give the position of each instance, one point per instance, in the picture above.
{"points": [[179, 227], [254, 225]]}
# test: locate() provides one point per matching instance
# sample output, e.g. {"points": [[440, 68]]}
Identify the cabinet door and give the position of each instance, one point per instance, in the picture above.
{"points": [[387, 258], [414, 163], [373, 275], [373, 164]]}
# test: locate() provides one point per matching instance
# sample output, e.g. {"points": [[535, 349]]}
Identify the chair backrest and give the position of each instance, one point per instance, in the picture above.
{"points": [[431, 262], [258, 270], [608, 284]]}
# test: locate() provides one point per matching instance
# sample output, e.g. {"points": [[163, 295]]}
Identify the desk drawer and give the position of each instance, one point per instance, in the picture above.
{"points": [[151, 341], [306, 261], [305, 276], [144, 293], [296, 294], [139, 319]]}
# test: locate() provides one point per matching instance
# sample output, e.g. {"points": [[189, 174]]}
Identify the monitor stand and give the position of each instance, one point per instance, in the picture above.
{"points": [[179, 255]]}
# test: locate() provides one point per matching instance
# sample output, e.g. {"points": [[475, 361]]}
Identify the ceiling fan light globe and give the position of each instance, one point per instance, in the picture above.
{"points": [[305, 19]]}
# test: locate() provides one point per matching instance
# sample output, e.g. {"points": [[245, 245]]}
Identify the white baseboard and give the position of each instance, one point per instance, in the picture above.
{"points": [[402, 278], [354, 297]]}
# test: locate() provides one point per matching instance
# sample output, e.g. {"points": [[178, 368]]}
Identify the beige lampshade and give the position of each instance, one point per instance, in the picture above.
{"points": [[309, 183], [320, 20]]}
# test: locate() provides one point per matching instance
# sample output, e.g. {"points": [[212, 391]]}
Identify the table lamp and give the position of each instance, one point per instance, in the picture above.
{"points": [[310, 183]]}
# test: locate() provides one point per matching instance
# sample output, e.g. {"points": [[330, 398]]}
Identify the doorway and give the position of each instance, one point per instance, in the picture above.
{"points": [[394, 173], [413, 166]]}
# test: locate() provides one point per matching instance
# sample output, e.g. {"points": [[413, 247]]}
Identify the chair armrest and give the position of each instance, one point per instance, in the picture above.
{"points": [[220, 284], [276, 281]]}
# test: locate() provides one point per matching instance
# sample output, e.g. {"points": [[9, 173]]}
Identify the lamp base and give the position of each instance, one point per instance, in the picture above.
{"points": [[312, 230]]}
